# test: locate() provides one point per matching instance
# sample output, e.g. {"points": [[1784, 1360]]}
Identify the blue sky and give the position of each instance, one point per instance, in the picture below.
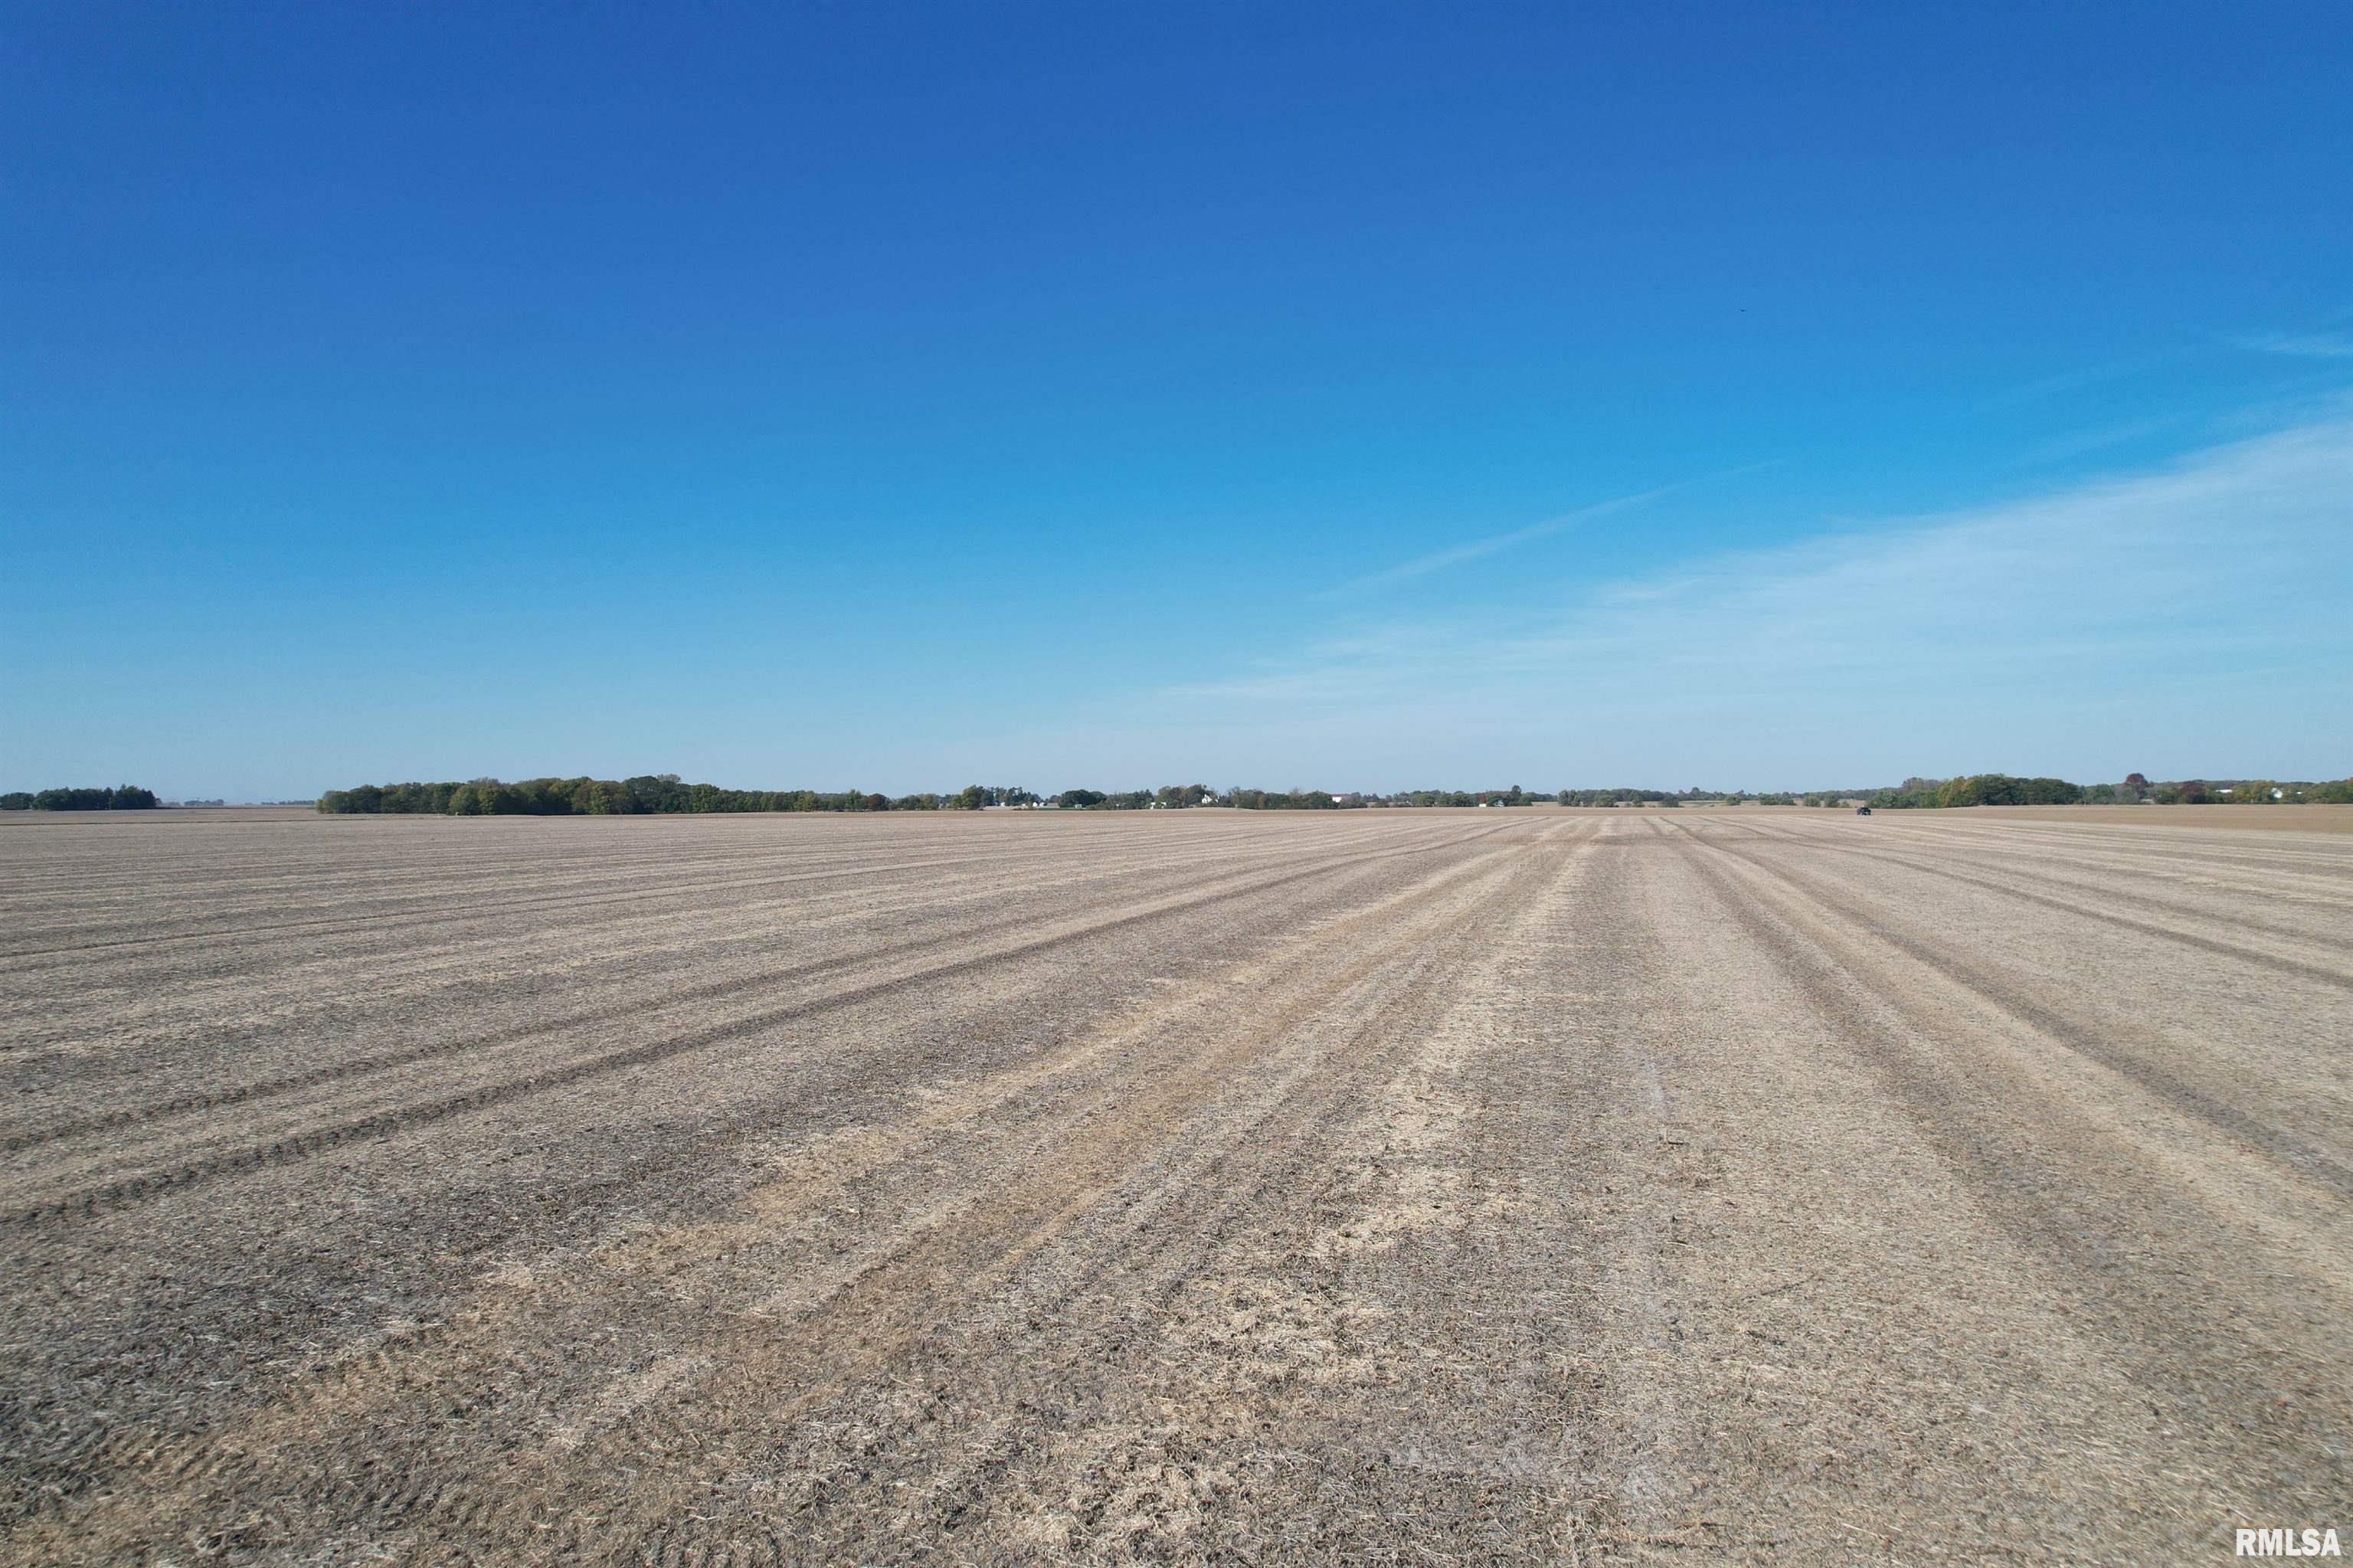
{"points": [[898, 395]]}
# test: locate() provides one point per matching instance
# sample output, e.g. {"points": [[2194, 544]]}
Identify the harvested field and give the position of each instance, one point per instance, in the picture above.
{"points": [[1419, 1187]]}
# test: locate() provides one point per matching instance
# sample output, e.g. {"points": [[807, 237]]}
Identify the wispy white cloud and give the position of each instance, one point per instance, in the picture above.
{"points": [[1455, 556], [2077, 380], [2124, 433], [2300, 345], [2189, 619], [1471, 550]]}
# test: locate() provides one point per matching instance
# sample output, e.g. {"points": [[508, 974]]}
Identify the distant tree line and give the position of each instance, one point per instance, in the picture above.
{"points": [[1619, 798], [1977, 789], [648, 794], [121, 798], [2234, 791], [666, 792], [1290, 800], [2004, 790]]}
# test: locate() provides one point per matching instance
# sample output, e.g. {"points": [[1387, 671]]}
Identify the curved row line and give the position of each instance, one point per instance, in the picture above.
{"points": [[304, 1146]]}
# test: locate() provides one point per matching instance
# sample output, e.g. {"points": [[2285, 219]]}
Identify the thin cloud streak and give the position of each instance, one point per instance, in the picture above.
{"points": [[1423, 565], [2074, 380], [2300, 345], [2091, 440]]}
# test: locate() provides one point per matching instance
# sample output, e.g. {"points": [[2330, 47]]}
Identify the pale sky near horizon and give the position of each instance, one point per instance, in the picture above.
{"points": [[905, 395]]}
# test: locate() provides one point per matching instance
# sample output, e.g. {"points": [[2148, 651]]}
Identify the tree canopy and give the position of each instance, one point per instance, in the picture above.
{"points": [[121, 798], [1979, 789]]}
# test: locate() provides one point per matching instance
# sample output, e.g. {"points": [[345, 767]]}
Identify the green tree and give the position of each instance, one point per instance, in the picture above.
{"points": [[77, 799]]}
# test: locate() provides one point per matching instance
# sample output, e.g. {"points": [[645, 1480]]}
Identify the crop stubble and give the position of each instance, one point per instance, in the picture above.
{"points": [[1412, 1186]]}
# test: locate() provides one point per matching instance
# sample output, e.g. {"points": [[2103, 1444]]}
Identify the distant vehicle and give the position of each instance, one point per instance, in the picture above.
{"points": [[1863, 810]]}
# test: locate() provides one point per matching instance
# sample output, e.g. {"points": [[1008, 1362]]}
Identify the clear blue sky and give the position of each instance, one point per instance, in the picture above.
{"points": [[1358, 395]]}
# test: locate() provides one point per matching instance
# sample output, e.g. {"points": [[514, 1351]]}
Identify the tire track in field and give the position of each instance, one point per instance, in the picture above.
{"points": [[436, 911], [1284, 1182], [588, 1018], [2267, 850], [435, 852], [2104, 869], [616, 1012], [2200, 1318], [2120, 844], [1134, 1252], [2301, 969], [2054, 1023], [876, 1310], [444, 971], [306, 1145], [473, 912], [662, 1165]]}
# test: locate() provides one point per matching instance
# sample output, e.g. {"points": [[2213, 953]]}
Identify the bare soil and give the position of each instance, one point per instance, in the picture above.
{"points": [[1413, 1187]]}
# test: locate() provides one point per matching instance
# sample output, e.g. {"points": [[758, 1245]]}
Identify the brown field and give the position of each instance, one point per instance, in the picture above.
{"points": [[1451, 1187]]}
